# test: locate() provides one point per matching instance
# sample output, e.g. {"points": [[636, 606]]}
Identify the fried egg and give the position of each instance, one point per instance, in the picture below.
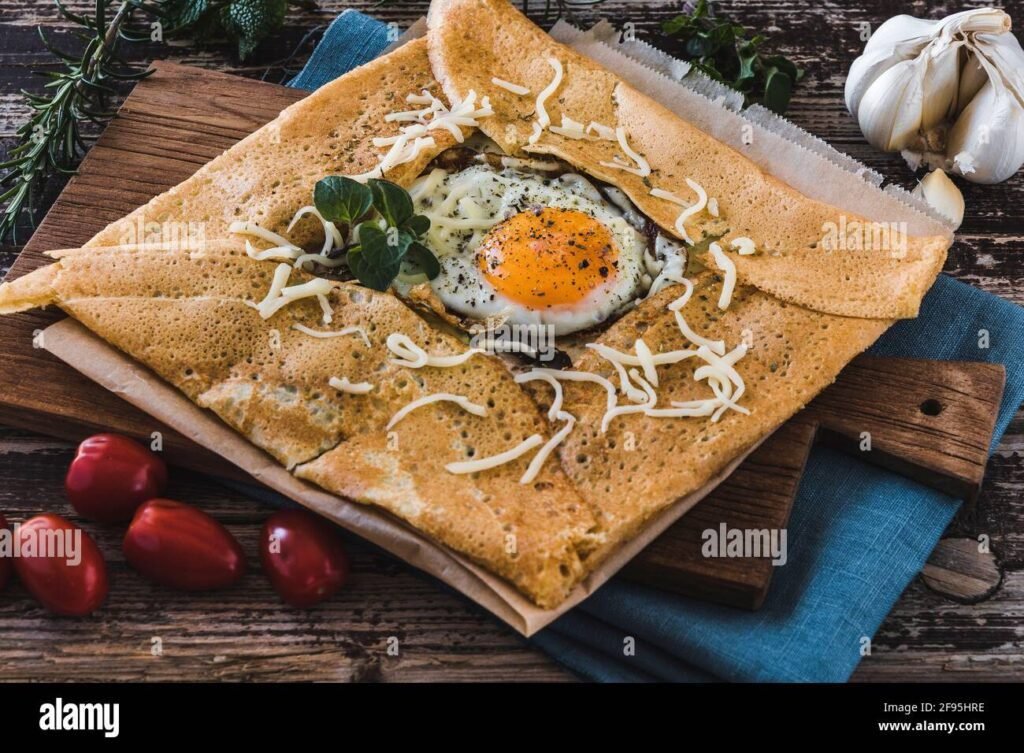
{"points": [[534, 248]]}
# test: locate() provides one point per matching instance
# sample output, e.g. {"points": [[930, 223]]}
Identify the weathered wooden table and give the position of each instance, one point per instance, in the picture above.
{"points": [[968, 629]]}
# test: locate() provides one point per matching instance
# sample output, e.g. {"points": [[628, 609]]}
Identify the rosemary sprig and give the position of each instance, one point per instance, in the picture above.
{"points": [[51, 141]]}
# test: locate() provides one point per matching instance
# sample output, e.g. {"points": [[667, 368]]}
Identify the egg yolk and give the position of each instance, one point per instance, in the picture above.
{"points": [[548, 257]]}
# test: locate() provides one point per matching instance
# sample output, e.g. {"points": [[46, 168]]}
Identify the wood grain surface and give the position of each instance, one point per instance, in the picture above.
{"points": [[927, 636]]}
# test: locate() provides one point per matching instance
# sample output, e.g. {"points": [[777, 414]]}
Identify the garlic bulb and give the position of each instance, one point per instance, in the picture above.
{"points": [[949, 93], [942, 194]]}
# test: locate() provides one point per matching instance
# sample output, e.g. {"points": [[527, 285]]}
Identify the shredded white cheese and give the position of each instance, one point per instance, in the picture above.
{"points": [[276, 253], [280, 296], [412, 356], [461, 401], [519, 89], [601, 131], [485, 464], [325, 261], [658, 359], [539, 376], [332, 236], [691, 209], [716, 346], [241, 227], [538, 129], [542, 114], [414, 138], [570, 129], [724, 263], [743, 246], [337, 333], [352, 388], [646, 359], [682, 300], [642, 168], [542, 454], [559, 375], [713, 206]]}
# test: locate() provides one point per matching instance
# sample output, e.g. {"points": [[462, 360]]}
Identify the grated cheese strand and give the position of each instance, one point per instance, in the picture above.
{"points": [[544, 452], [580, 376], [717, 346], [646, 359], [538, 376], [601, 131], [724, 263], [412, 356], [447, 397], [642, 169], [542, 114], [689, 211], [743, 246], [337, 333], [519, 89], [352, 388], [494, 461], [682, 300], [277, 253], [332, 236], [240, 227]]}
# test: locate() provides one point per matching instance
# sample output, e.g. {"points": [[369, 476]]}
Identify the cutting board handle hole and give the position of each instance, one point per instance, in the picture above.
{"points": [[931, 407]]}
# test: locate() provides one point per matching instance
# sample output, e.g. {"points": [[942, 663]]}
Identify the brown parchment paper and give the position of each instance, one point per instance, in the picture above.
{"points": [[782, 149]]}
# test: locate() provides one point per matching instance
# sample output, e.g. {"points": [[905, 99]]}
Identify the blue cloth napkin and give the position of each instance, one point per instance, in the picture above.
{"points": [[857, 534]]}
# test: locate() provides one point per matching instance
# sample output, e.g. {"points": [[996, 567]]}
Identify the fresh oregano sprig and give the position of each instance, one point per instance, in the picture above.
{"points": [[722, 50], [381, 226]]}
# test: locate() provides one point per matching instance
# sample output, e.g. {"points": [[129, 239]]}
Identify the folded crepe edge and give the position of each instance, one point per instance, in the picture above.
{"points": [[31, 291]]}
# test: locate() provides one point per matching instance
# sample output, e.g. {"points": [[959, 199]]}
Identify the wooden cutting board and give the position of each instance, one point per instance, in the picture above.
{"points": [[931, 420]]}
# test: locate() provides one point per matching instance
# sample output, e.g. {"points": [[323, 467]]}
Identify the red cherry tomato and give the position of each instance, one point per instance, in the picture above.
{"points": [[6, 563], [60, 565], [303, 556], [182, 547], [111, 476]]}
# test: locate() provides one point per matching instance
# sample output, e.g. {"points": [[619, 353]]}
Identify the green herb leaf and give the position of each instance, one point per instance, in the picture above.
{"points": [[418, 225], [377, 260], [392, 201], [251, 21], [423, 258], [341, 200], [722, 50]]}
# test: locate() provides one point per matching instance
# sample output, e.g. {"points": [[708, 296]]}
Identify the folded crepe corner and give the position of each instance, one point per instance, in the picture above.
{"points": [[31, 291]]}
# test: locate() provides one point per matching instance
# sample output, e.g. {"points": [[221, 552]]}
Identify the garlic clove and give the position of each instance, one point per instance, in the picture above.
{"points": [[890, 110], [942, 85], [973, 76], [900, 30], [986, 143], [942, 195]]}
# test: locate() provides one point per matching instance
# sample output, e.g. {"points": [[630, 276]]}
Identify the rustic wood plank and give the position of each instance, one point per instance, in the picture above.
{"points": [[929, 420]]}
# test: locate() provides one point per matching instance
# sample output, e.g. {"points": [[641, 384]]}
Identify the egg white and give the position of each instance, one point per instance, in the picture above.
{"points": [[463, 206]]}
